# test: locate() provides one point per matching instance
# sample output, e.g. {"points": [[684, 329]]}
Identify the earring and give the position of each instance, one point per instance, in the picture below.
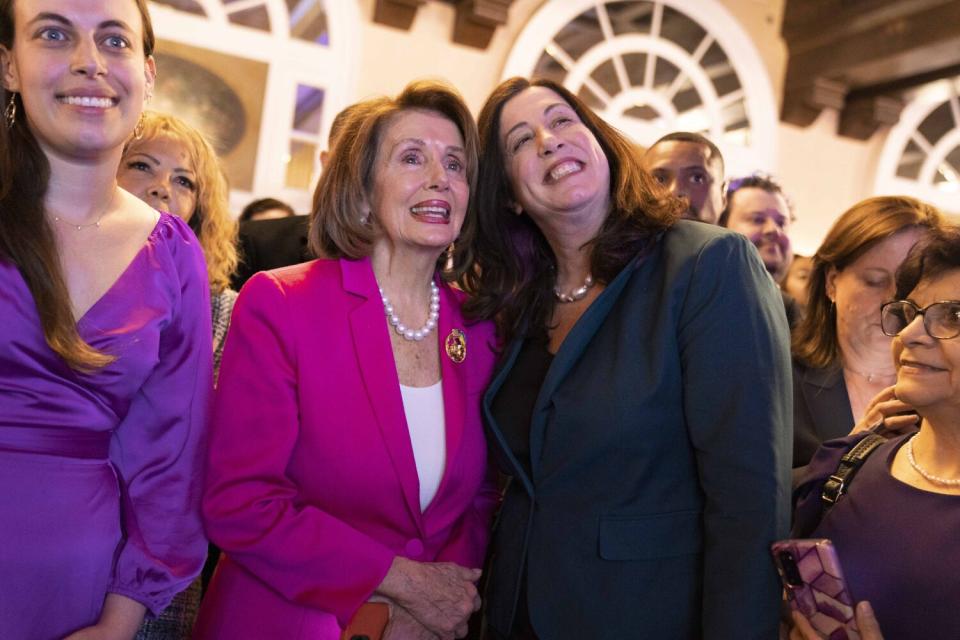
{"points": [[138, 130], [10, 112], [448, 263]]}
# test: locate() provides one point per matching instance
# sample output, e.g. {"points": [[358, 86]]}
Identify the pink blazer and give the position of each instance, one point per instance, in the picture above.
{"points": [[311, 486]]}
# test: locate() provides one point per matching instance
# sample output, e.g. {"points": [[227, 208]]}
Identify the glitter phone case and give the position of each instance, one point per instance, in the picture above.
{"points": [[814, 584]]}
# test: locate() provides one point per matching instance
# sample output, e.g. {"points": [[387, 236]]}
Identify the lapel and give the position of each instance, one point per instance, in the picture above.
{"points": [[825, 393], [379, 372], [508, 359], [453, 376], [568, 355]]}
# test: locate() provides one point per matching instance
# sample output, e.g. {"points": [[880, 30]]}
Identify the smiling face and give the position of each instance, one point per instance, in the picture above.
{"points": [[928, 370], [420, 191], [763, 217], [555, 165], [161, 172], [80, 69], [686, 169], [863, 286]]}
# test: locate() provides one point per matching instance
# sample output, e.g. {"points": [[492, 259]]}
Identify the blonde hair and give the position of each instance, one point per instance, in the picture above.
{"points": [[215, 227]]}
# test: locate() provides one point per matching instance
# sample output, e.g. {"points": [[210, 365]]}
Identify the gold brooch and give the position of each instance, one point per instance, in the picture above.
{"points": [[456, 346]]}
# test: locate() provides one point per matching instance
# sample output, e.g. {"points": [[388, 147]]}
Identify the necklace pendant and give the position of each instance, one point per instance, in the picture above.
{"points": [[456, 346], [577, 294]]}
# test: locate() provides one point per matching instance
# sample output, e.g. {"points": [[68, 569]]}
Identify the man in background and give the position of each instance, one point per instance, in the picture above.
{"points": [[691, 166], [279, 242]]}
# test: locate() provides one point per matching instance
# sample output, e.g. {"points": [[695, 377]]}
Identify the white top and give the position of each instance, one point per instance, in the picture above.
{"points": [[423, 407]]}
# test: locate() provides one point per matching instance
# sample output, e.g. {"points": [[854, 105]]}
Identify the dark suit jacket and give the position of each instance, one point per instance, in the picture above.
{"points": [[660, 455], [270, 244], [821, 409]]}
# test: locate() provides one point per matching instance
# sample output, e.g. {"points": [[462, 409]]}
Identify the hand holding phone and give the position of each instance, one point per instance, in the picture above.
{"points": [[815, 587]]}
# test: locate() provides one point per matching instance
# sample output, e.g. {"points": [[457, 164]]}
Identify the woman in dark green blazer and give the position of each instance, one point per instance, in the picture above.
{"points": [[642, 406]]}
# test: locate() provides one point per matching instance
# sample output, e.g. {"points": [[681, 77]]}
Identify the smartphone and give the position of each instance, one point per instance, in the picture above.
{"points": [[814, 584]]}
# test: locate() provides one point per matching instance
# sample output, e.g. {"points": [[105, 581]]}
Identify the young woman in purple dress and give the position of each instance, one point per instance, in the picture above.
{"points": [[105, 354]]}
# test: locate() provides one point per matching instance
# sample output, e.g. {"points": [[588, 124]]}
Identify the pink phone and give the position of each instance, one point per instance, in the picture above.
{"points": [[811, 575]]}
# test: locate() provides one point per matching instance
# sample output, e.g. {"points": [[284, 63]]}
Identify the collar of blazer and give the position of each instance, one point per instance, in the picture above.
{"points": [[371, 339], [570, 352]]}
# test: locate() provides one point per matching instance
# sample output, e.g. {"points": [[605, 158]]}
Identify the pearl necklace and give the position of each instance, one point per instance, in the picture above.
{"points": [[422, 332], [577, 294], [947, 482]]}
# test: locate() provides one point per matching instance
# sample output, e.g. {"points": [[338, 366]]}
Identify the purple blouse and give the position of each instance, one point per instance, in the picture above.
{"points": [[897, 544], [100, 472]]}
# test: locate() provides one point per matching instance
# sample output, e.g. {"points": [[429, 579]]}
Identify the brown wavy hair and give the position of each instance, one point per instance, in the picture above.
{"points": [[338, 227], [211, 221], [515, 269], [26, 238], [855, 232]]}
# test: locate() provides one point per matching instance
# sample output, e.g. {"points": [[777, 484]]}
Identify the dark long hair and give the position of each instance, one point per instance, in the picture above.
{"points": [[26, 238], [515, 269]]}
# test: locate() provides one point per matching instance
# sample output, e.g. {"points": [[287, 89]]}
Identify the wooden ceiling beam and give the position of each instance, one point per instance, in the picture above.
{"points": [[398, 14], [477, 20], [870, 51], [474, 24]]}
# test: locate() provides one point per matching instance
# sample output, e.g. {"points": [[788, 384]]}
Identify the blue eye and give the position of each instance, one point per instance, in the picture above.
{"points": [[117, 42], [53, 35], [137, 165]]}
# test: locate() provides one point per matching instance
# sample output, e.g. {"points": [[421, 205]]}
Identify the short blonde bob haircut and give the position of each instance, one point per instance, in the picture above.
{"points": [[211, 221], [339, 227], [857, 230]]}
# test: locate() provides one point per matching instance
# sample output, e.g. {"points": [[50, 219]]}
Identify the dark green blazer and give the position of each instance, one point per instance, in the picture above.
{"points": [[660, 453]]}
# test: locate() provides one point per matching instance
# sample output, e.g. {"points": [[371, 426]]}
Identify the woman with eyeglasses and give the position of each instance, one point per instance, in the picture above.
{"points": [[841, 358], [895, 527]]}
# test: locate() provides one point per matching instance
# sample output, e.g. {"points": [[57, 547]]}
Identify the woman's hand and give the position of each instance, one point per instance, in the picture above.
{"points": [[96, 632], [403, 626], [882, 417], [120, 620], [866, 622], [441, 596]]}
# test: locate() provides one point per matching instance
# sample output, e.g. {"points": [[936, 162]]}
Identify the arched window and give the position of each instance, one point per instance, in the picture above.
{"points": [[650, 67], [921, 156], [262, 79]]}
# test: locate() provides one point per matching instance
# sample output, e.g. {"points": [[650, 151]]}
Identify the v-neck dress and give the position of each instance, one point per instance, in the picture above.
{"points": [[100, 472]]}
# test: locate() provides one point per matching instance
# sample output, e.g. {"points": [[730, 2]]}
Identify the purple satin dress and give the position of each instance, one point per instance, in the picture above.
{"points": [[100, 473]]}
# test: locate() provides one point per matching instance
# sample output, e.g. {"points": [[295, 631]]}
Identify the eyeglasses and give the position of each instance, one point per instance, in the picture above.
{"points": [[941, 320]]}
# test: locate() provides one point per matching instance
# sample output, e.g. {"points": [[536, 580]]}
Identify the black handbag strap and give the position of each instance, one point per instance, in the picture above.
{"points": [[837, 484]]}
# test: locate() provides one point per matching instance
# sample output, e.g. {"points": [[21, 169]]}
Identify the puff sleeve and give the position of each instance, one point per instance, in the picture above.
{"points": [[156, 449]]}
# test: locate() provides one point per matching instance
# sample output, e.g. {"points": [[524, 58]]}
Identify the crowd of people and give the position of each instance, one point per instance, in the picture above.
{"points": [[518, 379]]}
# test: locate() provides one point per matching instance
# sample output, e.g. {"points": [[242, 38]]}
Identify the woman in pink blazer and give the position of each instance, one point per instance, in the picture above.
{"points": [[347, 457]]}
